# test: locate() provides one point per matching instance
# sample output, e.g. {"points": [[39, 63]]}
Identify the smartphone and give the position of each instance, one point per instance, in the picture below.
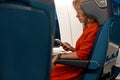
{"points": [[59, 41]]}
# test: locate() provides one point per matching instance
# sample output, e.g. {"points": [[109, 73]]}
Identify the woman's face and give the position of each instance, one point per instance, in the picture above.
{"points": [[80, 14]]}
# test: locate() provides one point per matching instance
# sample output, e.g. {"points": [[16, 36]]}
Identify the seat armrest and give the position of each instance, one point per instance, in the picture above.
{"points": [[79, 63]]}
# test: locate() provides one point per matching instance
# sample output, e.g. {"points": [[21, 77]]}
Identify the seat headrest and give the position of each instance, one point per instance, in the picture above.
{"points": [[30, 1], [46, 4], [99, 9]]}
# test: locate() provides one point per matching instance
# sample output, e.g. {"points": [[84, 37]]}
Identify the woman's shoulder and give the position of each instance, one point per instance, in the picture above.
{"points": [[94, 26], [95, 23]]}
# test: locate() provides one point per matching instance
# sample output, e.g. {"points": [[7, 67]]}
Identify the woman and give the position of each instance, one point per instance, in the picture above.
{"points": [[82, 49]]}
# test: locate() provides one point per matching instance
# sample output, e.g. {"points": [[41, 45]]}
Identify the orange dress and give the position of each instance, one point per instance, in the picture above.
{"points": [[83, 47]]}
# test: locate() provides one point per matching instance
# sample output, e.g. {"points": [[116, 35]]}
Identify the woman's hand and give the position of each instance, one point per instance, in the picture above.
{"points": [[54, 59], [66, 46], [53, 62]]}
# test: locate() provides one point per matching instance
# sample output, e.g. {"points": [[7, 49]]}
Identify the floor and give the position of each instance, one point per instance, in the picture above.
{"points": [[118, 65], [118, 60]]}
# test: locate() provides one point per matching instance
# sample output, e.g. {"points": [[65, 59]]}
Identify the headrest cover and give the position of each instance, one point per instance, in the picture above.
{"points": [[101, 3], [99, 9]]}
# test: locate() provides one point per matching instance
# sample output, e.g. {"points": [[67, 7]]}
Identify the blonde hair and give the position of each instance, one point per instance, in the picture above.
{"points": [[76, 2]]}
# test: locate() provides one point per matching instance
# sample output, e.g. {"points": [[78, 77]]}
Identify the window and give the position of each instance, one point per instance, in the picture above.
{"points": [[57, 31]]}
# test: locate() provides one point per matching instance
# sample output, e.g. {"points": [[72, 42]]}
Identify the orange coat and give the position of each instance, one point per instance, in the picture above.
{"points": [[83, 47]]}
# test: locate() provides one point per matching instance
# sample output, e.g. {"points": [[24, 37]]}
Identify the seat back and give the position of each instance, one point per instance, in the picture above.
{"points": [[113, 48], [98, 53], [114, 38], [26, 32]]}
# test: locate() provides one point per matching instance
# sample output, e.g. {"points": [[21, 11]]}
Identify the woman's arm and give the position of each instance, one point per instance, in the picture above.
{"points": [[71, 55]]}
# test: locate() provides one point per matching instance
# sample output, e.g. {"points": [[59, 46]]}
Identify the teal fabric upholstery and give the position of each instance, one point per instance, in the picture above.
{"points": [[26, 32]]}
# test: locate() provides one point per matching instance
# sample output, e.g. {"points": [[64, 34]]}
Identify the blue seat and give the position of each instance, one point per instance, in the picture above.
{"points": [[26, 32], [118, 1], [105, 50]]}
